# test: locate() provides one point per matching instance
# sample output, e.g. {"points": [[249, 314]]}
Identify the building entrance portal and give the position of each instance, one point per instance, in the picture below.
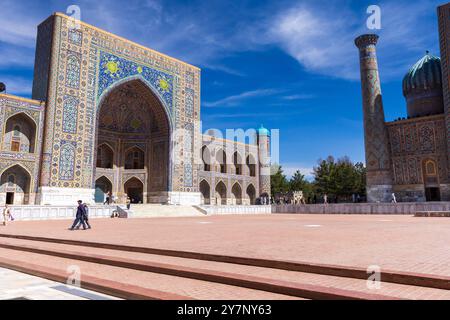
{"points": [[134, 189], [432, 194], [133, 139], [10, 198]]}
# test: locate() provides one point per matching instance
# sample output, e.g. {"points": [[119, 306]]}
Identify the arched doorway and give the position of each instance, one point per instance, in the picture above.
{"points": [[237, 194], [135, 159], [221, 194], [237, 161], [15, 185], [251, 164], [431, 181], [133, 117], [134, 188], [105, 157], [205, 190], [102, 187], [221, 159], [20, 134], [251, 194], [206, 158]]}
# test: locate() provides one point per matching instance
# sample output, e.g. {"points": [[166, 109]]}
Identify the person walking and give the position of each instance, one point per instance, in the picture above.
{"points": [[79, 218], [393, 198], [86, 217], [325, 199], [108, 198], [6, 214], [128, 202]]}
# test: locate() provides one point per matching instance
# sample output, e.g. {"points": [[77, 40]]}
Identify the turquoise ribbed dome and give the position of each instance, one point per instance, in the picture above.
{"points": [[263, 131], [426, 74]]}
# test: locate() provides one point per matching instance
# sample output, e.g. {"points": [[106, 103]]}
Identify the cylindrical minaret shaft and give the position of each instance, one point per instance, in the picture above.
{"points": [[264, 162], [378, 159]]}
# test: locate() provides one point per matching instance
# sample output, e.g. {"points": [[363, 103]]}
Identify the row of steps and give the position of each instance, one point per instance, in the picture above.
{"points": [[131, 272]]}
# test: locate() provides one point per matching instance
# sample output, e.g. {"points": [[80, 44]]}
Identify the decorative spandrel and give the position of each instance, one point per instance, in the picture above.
{"points": [[114, 68]]}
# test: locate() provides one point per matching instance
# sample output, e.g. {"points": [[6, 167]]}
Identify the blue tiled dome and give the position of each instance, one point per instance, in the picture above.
{"points": [[263, 131], [426, 74], [422, 87]]}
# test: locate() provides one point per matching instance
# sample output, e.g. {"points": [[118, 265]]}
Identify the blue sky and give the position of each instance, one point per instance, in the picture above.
{"points": [[290, 65]]}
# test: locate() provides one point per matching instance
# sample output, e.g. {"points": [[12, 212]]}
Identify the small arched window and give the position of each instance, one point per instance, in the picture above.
{"points": [[430, 168]]}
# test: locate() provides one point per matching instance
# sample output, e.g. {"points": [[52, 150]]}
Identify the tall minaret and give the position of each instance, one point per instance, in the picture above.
{"points": [[378, 159], [264, 161]]}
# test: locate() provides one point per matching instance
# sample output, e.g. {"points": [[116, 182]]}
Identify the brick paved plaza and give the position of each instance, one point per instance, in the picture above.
{"points": [[398, 243]]}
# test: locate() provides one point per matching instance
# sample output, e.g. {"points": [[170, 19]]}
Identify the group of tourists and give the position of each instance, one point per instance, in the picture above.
{"points": [[82, 217], [110, 199]]}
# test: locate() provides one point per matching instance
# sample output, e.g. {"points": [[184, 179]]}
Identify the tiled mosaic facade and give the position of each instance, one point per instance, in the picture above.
{"points": [[220, 180], [19, 161], [408, 157], [117, 115]]}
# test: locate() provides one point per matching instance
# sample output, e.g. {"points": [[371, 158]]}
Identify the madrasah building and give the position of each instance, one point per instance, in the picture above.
{"points": [[409, 157], [107, 114]]}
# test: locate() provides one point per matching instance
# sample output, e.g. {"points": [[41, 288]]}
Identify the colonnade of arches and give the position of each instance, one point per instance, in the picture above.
{"points": [[218, 161], [219, 195], [19, 136]]}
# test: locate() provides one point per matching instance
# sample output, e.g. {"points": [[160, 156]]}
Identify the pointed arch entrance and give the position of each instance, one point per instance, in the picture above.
{"points": [[15, 185], [134, 189], [251, 194], [236, 192], [221, 194], [102, 186], [134, 119], [205, 190]]}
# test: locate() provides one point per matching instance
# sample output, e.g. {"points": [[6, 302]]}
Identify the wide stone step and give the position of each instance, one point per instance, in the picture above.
{"points": [[274, 277]]}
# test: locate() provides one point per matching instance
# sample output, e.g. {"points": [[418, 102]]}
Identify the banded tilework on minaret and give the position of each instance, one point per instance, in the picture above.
{"points": [[264, 161], [444, 36], [378, 160]]}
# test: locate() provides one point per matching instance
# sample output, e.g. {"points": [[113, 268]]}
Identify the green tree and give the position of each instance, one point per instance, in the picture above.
{"points": [[325, 176], [299, 183], [340, 178], [278, 181]]}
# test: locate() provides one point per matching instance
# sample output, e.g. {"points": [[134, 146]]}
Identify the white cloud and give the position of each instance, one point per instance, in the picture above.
{"points": [[298, 97], [18, 23], [236, 99], [321, 37]]}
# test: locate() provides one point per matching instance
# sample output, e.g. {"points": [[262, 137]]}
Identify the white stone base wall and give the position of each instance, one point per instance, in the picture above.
{"points": [[24, 213], [223, 210], [65, 196], [408, 208], [185, 198]]}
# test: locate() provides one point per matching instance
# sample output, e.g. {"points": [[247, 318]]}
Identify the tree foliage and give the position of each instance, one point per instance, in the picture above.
{"points": [[340, 179]]}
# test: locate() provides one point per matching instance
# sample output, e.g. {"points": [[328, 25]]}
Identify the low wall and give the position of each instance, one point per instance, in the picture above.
{"points": [[57, 212], [212, 210], [409, 208]]}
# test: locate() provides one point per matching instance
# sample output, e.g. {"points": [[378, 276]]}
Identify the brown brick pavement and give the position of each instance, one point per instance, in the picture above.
{"points": [[338, 283], [393, 242]]}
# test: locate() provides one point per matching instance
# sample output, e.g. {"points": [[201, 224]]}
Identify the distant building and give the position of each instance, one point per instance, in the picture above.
{"points": [[109, 115], [409, 157]]}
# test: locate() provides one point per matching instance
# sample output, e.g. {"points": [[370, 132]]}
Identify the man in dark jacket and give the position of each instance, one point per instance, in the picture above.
{"points": [[86, 215], [81, 212]]}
